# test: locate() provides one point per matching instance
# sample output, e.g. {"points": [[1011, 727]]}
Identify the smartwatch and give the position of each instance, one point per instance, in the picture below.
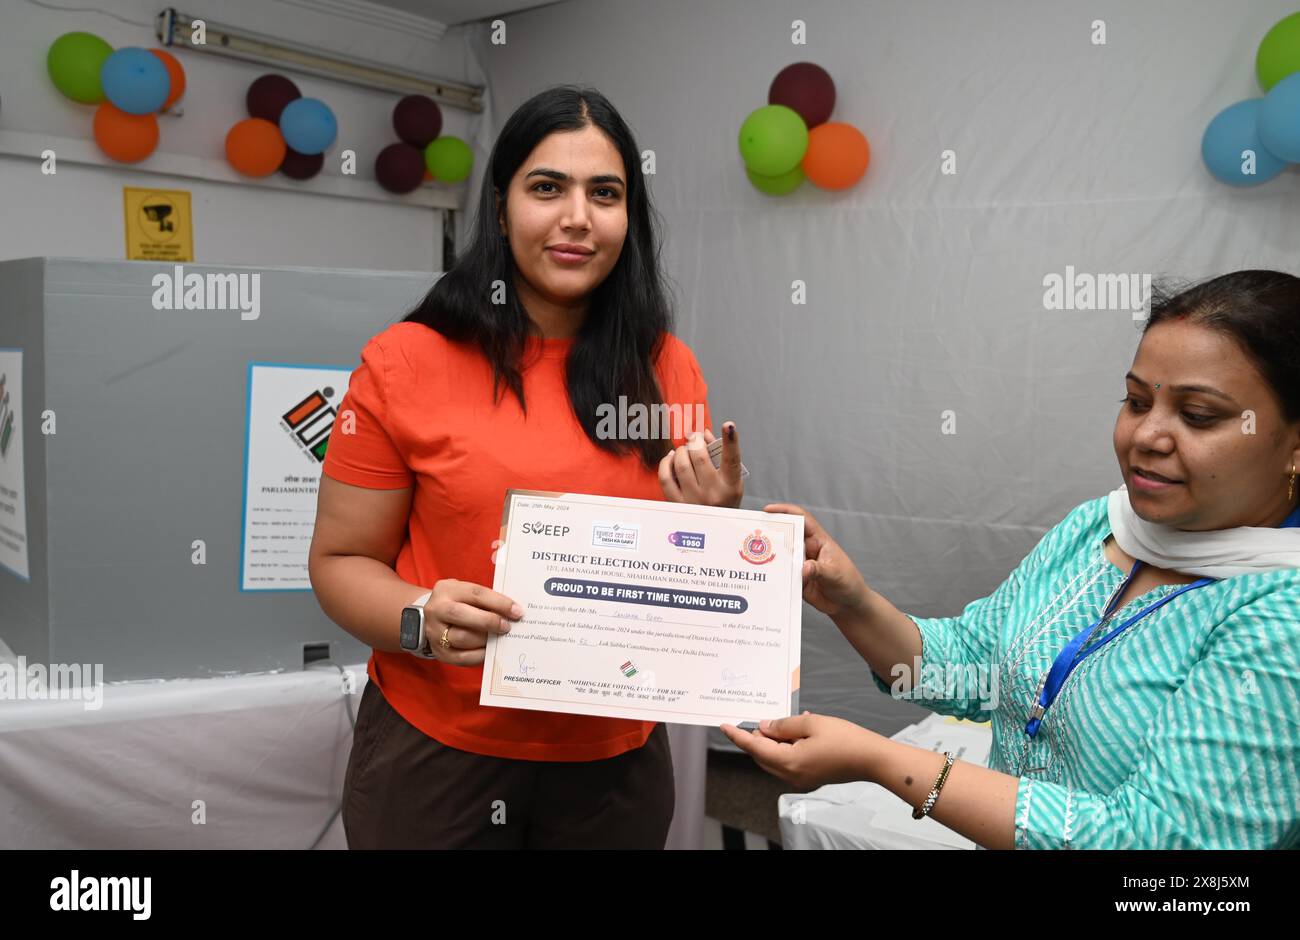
{"points": [[412, 636]]}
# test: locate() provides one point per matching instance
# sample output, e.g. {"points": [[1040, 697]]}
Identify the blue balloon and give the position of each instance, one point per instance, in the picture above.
{"points": [[308, 125], [135, 80], [1279, 119], [1234, 130]]}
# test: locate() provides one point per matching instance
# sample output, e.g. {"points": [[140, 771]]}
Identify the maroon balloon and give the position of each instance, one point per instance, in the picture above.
{"points": [[808, 89], [399, 168], [268, 96], [417, 120], [301, 166]]}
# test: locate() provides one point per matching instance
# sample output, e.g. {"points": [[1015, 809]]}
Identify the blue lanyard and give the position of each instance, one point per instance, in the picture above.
{"points": [[1069, 657]]}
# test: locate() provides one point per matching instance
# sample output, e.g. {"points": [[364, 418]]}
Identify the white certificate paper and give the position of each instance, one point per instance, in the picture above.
{"points": [[656, 611]]}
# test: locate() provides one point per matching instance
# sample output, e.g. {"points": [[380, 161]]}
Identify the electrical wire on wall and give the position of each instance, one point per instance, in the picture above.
{"points": [[63, 9]]}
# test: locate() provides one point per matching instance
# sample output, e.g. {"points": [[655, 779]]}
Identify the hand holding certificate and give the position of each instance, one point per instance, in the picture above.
{"points": [[648, 610]]}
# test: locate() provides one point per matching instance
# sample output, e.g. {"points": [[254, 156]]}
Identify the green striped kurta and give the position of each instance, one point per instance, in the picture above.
{"points": [[1182, 732]]}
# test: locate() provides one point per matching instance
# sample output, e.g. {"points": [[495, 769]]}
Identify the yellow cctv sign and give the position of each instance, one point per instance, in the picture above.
{"points": [[158, 225]]}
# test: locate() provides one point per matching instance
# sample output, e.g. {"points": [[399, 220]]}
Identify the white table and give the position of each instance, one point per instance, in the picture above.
{"points": [[246, 761]]}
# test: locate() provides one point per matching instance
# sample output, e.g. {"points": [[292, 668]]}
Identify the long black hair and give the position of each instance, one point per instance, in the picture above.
{"points": [[1260, 310], [629, 312]]}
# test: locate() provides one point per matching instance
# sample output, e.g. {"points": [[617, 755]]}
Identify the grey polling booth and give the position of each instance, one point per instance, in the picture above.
{"points": [[148, 409]]}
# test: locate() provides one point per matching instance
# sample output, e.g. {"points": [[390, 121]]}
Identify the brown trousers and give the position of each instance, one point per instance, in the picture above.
{"points": [[405, 790]]}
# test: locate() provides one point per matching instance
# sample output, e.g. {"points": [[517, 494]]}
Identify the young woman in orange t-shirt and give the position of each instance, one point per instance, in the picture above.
{"points": [[494, 381]]}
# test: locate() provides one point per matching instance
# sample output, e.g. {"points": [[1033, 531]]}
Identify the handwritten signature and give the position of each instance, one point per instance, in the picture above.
{"points": [[525, 667], [730, 678]]}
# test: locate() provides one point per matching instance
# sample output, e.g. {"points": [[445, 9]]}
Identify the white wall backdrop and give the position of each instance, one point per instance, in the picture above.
{"points": [[78, 211], [925, 291]]}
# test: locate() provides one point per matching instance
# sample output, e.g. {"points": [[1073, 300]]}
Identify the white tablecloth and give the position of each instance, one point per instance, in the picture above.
{"points": [[261, 756], [864, 815]]}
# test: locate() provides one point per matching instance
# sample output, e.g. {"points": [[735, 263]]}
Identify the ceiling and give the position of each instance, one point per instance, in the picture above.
{"points": [[451, 12]]}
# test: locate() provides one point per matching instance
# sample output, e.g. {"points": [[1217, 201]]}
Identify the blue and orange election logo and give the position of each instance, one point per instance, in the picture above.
{"points": [[757, 548]]}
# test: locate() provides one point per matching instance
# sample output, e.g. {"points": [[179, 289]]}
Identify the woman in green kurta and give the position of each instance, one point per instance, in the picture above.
{"points": [[1180, 730]]}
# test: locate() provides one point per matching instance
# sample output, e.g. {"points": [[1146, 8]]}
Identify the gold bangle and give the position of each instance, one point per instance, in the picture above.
{"points": [[924, 809]]}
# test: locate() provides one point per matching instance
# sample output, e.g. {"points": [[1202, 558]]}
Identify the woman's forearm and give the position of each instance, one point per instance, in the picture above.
{"points": [[975, 801], [882, 634], [363, 596]]}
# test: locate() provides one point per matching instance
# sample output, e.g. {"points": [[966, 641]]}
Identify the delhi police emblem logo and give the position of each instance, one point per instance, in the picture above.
{"points": [[757, 548]]}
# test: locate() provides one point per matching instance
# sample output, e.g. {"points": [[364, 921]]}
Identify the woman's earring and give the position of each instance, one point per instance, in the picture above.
{"points": [[1290, 490]]}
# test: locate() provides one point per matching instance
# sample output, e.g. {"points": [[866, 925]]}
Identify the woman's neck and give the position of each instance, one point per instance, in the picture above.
{"points": [[1271, 519], [1124, 562], [556, 320]]}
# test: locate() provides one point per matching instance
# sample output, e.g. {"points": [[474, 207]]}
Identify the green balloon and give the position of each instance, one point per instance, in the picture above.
{"points": [[773, 140], [74, 61], [776, 185], [1279, 52], [449, 159]]}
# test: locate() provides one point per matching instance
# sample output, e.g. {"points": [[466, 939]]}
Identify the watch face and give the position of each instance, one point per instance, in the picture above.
{"points": [[410, 635]]}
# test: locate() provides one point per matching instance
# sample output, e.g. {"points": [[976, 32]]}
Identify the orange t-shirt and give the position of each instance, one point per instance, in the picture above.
{"points": [[425, 417]]}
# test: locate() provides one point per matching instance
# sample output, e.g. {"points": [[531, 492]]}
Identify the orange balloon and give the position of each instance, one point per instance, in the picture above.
{"points": [[837, 156], [255, 147], [177, 75], [127, 138]]}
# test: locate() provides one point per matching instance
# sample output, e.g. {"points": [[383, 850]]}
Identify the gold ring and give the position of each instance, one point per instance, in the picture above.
{"points": [[443, 641]]}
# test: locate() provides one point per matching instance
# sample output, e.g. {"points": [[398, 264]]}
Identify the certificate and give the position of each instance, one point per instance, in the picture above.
{"points": [[649, 610]]}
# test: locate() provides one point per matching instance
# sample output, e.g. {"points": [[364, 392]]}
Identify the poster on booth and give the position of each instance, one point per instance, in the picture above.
{"points": [[290, 414], [13, 490], [158, 224]]}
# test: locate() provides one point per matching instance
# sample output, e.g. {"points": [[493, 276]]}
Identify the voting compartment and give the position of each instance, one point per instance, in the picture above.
{"points": [[161, 437]]}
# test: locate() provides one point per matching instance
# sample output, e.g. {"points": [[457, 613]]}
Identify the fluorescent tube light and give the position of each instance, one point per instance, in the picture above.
{"points": [[173, 29]]}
